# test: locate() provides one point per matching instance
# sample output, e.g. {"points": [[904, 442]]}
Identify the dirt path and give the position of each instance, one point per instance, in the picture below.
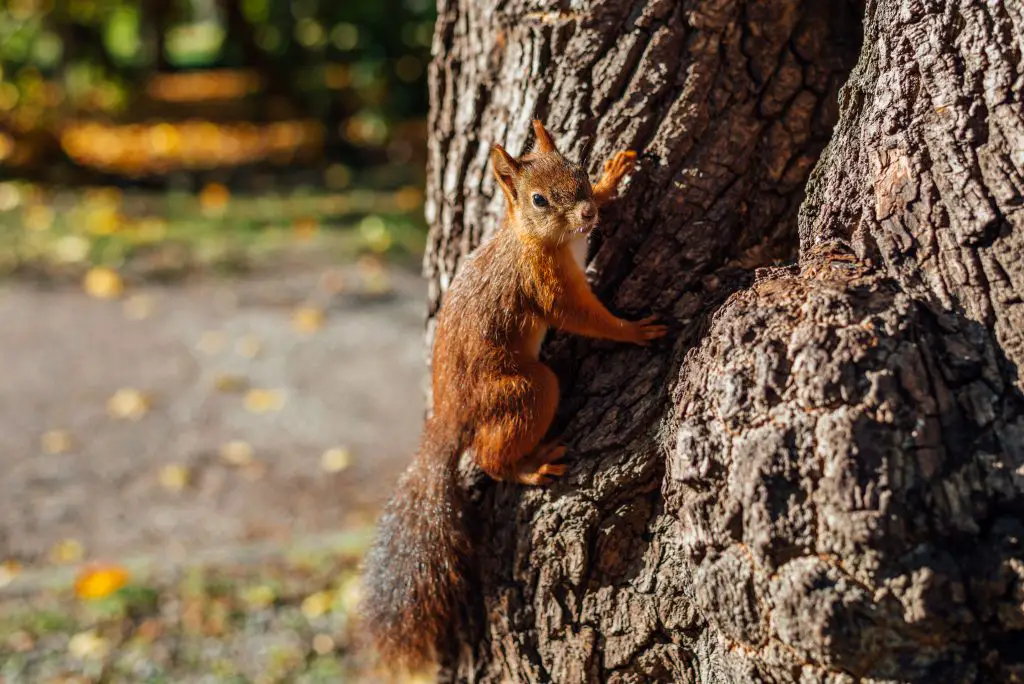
{"points": [[356, 382]]}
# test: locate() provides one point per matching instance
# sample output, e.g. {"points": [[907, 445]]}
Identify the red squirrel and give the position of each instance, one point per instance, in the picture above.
{"points": [[491, 393]]}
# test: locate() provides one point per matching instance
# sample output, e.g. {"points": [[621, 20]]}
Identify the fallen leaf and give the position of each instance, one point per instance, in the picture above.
{"points": [[21, 642], [323, 644], [332, 281], [408, 198], [89, 646], [128, 404], [192, 614], [71, 249], [370, 262], [351, 593], [107, 196], [378, 283], [38, 217], [218, 613], [264, 400], [67, 551], [138, 307], [100, 581], [374, 275], [149, 630], [229, 383], [375, 233], [305, 227], [149, 230], [308, 319], [335, 460], [174, 477], [56, 441], [237, 452], [103, 283], [103, 220], [260, 596], [213, 199], [254, 471], [9, 569], [248, 346], [316, 605], [212, 342]]}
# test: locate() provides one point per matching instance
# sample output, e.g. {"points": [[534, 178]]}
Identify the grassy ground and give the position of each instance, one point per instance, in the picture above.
{"points": [[146, 235], [259, 617]]}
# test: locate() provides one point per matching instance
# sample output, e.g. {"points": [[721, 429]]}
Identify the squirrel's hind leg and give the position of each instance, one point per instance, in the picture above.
{"points": [[507, 442], [542, 466]]}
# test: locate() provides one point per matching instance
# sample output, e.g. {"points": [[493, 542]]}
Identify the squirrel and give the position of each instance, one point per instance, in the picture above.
{"points": [[491, 393]]}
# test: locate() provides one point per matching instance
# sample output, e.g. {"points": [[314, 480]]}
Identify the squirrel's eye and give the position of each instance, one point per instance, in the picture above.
{"points": [[539, 200]]}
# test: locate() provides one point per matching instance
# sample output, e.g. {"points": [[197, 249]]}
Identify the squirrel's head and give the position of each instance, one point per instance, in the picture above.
{"points": [[548, 197]]}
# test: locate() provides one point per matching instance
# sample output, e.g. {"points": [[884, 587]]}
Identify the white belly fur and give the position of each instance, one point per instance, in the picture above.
{"points": [[579, 251], [578, 247], [537, 340]]}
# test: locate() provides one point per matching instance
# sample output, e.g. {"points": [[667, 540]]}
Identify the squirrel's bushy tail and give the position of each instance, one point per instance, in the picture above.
{"points": [[414, 576]]}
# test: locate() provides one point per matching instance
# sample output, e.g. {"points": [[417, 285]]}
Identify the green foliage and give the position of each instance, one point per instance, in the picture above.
{"points": [[122, 35], [335, 61]]}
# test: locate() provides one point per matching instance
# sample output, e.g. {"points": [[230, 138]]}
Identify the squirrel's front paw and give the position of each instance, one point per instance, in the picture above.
{"points": [[646, 330], [620, 164]]}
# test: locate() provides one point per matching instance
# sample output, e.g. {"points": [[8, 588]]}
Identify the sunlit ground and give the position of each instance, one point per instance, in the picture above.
{"points": [[252, 611], [210, 330]]}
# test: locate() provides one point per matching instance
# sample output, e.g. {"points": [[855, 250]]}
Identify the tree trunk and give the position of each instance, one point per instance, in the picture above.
{"points": [[820, 477]]}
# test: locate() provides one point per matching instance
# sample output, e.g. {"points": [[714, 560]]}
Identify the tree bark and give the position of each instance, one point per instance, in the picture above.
{"points": [[820, 477]]}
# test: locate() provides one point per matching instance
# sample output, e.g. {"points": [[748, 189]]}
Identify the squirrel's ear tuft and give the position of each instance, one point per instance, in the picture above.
{"points": [[506, 168], [544, 142]]}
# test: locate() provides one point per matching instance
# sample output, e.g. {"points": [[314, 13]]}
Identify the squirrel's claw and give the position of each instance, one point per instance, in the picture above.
{"points": [[646, 330], [547, 455], [553, 469]]}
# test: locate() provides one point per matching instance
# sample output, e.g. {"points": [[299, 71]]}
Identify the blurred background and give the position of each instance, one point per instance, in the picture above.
{"points": [[211, 325]]}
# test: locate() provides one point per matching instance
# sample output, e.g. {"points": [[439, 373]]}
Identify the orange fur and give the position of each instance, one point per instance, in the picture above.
{"points": [[492, 394]]}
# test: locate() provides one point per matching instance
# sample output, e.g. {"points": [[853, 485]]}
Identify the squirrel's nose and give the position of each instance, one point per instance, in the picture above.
{"points": [[589, 211]]}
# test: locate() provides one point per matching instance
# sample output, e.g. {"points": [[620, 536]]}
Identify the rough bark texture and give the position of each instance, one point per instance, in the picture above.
{"points": [[820, 478]]}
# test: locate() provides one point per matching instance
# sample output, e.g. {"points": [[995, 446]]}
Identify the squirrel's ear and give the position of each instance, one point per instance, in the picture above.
{"points": [[544, 142], [506, 168]]}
